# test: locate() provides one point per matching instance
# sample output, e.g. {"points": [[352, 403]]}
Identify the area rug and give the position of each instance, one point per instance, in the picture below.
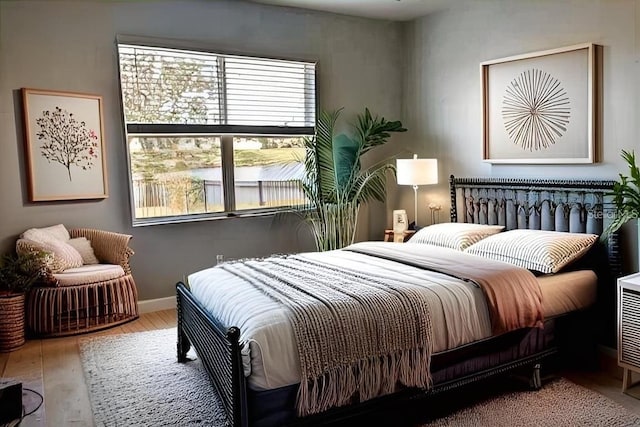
{"points": [[559, 403], [134, 380]]}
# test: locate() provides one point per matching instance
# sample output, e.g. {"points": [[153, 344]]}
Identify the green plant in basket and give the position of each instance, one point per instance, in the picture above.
{"points": [[626, 195], [19, 272]]}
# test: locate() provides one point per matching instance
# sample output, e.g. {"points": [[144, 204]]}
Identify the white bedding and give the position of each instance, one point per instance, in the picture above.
{"points": [[458, 312]]}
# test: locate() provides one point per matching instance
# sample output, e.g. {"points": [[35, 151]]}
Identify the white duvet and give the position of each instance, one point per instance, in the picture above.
{"points": [[458, 311]]}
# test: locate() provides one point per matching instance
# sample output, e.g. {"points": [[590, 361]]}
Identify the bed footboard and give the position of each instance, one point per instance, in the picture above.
{"points": [[218, 348]]}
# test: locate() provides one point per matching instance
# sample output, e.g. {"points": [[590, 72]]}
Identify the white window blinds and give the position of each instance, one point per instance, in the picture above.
{"points": [[268, 92], [171, 86]]}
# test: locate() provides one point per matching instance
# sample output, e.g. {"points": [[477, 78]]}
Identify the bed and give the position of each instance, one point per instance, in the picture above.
{"points": [[257, 384]]}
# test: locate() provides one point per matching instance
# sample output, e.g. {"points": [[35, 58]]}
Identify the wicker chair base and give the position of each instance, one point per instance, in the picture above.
{"points": [[71, 310]]}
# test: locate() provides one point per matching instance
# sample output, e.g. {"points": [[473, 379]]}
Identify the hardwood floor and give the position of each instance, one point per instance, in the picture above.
{"points": [[52, 368]]}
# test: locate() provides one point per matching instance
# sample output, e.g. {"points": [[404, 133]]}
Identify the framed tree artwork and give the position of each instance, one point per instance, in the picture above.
{"points": [[64, 145], [540, 107]]}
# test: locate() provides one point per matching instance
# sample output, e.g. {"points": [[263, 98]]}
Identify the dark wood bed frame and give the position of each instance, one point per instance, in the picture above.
{"points": [[517, 203]]}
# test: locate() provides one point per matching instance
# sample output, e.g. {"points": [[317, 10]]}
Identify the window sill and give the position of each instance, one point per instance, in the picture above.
{"points": [[210, 217]]}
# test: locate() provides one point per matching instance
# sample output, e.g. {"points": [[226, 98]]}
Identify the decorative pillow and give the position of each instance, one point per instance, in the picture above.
{"points": [[83, 246], [543, 251], [57, 232], [454, 235], [54, 240], [64, 255]]}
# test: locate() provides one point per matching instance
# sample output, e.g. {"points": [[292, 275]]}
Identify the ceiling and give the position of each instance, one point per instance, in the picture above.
{"points": [[395, 10]]}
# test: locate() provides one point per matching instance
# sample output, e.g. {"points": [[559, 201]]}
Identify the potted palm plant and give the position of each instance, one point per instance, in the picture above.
{"points": [[335, 184], [17, 274], [626, 195]]}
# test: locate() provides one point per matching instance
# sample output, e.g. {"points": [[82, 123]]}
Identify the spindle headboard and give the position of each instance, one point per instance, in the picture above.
{"points": [[559, 205], [538, 204]]}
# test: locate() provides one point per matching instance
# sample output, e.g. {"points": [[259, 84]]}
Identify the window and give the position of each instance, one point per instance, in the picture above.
{"points": [[213, 134]]}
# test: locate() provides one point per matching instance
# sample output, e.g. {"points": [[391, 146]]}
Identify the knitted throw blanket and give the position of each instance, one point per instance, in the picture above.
{"points": [[358, 337]]}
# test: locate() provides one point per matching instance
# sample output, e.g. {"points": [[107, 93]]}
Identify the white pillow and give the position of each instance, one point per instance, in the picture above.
{"points": [[454, 235], [58, 232], [54, 240], [543, 251], [83, 246]]}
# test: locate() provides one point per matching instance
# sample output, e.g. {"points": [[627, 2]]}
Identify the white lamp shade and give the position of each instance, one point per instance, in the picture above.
{"points": [[417, 171]]}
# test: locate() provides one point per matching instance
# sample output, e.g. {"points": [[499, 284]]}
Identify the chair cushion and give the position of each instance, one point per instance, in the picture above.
{"points": [[89, 274]]}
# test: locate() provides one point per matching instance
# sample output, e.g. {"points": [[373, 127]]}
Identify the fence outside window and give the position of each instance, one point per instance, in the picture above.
{"points": [[186, 196]]}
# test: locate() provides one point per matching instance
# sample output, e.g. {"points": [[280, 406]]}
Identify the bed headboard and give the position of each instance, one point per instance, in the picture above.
{"points": [[560, 205]]}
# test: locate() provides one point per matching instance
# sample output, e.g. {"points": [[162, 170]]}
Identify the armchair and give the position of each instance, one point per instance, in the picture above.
{"points": [[85, 298]]}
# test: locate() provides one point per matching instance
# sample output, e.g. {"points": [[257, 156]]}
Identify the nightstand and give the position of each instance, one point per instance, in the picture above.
{"points": [[388, 235], [629, 327]]}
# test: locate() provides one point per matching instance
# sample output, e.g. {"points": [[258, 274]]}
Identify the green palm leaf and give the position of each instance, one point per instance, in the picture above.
{"points": [[327, 178], [374, 131], [626, 195], [372, 184], [346, 154], [335, 184]]}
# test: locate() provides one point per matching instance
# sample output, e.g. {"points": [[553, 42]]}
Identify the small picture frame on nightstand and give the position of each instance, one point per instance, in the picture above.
{"points": [[400, 222]]}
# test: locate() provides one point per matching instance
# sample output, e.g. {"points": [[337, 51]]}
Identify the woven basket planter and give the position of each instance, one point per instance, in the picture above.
{"points": [[11, 322]]}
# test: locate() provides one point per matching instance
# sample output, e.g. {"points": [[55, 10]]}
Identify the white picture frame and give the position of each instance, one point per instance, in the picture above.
{"points": [[539, 108]]}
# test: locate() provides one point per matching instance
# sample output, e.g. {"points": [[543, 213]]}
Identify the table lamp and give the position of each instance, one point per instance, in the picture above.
{"points": [[416, 172]]}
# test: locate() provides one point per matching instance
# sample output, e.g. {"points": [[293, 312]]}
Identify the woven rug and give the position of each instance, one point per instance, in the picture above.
{"points": [[134, 380]]}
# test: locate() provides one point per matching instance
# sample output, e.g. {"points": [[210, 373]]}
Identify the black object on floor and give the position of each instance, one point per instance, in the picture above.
{"points": [[10, 400]]}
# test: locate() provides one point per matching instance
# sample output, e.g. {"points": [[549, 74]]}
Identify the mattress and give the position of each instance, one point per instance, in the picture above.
{"points": [[458, 308], [566, 292]]}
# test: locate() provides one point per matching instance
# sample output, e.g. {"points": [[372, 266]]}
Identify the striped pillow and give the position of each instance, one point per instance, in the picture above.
{"points": [[454, 235], [543, 251], [49, 240], [64, 255]]}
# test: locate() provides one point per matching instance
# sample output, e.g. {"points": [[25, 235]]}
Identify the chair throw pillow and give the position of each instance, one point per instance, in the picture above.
{"points": [[58, 231], [83, 246], [64, 255]]}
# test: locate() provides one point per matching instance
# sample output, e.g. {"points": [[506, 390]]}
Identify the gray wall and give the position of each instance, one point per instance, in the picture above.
{"points": [[424, 72], [442, 103], [70, 46]]}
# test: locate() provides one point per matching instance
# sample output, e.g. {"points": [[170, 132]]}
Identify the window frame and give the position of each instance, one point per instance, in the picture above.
{"points": [[225, 132]]}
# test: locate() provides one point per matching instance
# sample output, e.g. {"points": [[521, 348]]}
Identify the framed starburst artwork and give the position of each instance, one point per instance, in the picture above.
{"points": [[64, 145], [540, 107]]}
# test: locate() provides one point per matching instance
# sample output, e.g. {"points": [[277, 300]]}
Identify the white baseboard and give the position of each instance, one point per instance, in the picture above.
{"points": [[150, 305]]}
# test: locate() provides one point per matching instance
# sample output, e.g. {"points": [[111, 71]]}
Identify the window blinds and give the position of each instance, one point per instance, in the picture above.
{"points": [[171, 86]]}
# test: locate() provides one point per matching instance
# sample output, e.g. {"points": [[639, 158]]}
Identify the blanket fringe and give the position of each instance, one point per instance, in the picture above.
{"points": [[365, 379]]}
